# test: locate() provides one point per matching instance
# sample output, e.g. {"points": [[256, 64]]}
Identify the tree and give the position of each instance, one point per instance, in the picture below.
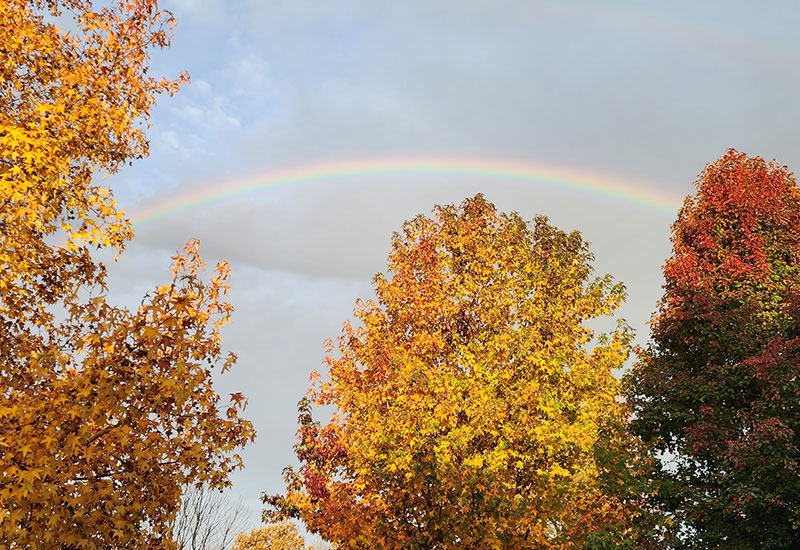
{"points": [[469, 397], [718, 388], [276, 536], [208, 519], [104, 412]]}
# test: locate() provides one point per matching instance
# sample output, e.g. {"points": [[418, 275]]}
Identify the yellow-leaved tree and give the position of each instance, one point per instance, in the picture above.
{"points": [[276, 536], [473, 406], [104, 412]]}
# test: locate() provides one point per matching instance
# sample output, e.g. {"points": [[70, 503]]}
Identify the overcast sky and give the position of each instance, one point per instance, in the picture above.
{"points": [[644, 91]]}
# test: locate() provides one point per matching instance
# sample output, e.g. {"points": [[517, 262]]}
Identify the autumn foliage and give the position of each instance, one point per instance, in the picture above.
{"points": [[719, 387], [105, 412], [469, 396], [275, 536], [469, 405]]}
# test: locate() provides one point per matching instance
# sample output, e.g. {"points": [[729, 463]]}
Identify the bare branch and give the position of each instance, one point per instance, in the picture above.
{"points": [[208, 519]]}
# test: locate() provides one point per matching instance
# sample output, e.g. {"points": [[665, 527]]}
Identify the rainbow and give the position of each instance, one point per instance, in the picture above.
{"points": [[655, 24], [489, 169]]}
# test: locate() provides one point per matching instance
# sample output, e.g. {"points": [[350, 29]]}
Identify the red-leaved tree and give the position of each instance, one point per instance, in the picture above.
{"points": [[718, 390]]}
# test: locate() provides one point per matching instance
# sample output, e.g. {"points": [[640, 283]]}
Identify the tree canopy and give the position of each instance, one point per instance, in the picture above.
{"points": [[104, 412], [469, 396], [718, 388], [275, 536]]}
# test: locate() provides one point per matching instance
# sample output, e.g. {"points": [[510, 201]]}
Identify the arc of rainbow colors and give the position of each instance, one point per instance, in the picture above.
{"points": [[494, 169], [690, 34]]}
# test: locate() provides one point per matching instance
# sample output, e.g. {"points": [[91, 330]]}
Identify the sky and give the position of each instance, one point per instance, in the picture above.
{"points": [[637, 96]]}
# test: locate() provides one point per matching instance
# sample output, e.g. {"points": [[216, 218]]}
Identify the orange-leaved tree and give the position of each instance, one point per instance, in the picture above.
{"points": [[104, 412], [469, 397], [276, 536]]}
